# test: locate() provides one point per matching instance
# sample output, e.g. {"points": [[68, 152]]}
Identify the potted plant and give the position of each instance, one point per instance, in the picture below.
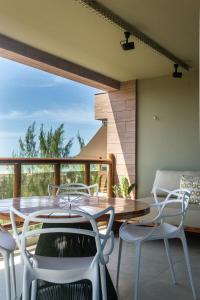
{"points": [[124, 189]]}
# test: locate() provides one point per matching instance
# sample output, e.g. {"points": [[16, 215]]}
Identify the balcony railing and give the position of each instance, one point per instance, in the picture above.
{"points": [[18, 163]]}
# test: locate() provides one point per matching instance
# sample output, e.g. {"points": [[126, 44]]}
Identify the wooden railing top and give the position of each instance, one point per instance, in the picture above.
{"points": [[12, 161]]}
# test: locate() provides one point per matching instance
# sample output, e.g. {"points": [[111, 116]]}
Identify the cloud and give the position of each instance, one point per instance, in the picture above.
{"points": [[52, 81], [60, 80], [66, 115], [10, 134], [12, 115]]}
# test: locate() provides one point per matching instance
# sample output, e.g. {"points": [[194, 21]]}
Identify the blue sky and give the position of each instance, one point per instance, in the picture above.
{"points": [[28, 94]]}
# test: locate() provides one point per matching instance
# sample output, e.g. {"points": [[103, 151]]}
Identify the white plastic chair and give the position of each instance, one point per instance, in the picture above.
{"points": [[74, 189], [7, 247], [137, 234], [66, 269]]}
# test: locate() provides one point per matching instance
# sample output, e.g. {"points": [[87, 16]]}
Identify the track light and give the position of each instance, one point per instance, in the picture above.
{"points": [[126, 45], [177, 74]]}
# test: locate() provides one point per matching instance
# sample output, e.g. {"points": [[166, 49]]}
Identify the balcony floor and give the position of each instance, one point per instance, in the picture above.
{"points": [[155, 277]]}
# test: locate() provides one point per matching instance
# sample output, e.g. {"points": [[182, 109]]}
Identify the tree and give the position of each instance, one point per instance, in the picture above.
{"points": [[47, 144], [80, 141], [27, 146], [51, 144]]}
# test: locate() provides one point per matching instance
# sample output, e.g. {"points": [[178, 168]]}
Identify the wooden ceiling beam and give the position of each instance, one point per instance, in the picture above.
{"points": [[28, 55]]}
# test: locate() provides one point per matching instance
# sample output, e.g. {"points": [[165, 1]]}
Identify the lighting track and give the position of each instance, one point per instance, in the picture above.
{"points": [[114, 18]]}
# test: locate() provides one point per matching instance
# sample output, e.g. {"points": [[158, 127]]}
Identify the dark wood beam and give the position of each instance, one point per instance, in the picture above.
{"points": [[28, 55]]}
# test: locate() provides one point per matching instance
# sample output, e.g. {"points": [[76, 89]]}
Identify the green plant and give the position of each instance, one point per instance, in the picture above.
{"points": [[80, 141], [49, 143], [123, 189]]}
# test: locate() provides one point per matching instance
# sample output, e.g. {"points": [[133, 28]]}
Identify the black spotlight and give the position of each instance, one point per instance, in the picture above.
{"points": [[126, 45], [177, 74]]}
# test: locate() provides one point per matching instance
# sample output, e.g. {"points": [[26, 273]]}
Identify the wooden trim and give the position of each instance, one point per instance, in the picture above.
{"points": [[57, 174], [17, 180], [28, 55], [192, 229], [87, 174], [33, 161], [110, 175], [56, 162]]}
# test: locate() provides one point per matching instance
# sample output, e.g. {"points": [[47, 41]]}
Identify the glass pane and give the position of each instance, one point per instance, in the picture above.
{"points": [[6, 185], [6, 182], [98, 174], [72, 174], [35, 179]]}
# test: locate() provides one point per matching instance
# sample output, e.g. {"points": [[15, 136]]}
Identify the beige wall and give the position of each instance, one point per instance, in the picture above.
{"points": [[97, 146], [172, 141]]}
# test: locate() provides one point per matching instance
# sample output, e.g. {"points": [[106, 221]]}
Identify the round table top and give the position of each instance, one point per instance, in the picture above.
{"points": [[124, 208]]}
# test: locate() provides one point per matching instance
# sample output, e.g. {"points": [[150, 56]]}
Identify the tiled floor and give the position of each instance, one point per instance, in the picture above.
{"points": [[155, 280]]}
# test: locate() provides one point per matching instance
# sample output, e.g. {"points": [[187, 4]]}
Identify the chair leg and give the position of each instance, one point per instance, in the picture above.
{"points": [[26, 285], [119, 261], [170, 260], [34, 290], [12, 264], [6, 256], [187, 259], [95, 284], [103, 281], [137, 269]]}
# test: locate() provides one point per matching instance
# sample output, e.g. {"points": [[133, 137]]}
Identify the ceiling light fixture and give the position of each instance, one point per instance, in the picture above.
{"points": [[126, 45], [112, 17], [177, 74]]}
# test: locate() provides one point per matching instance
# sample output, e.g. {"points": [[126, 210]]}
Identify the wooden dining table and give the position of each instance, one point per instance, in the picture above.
{"points": [[49, 246]]}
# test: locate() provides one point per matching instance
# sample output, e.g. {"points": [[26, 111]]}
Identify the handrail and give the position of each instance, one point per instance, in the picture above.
{"points": [[11, 161], [56, 162]]}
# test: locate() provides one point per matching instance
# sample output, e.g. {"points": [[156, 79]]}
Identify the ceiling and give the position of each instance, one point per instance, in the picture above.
{"points": [[76, 33]]}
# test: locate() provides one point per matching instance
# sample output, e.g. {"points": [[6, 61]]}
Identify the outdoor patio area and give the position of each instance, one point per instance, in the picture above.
{"points": [[99, 150]]}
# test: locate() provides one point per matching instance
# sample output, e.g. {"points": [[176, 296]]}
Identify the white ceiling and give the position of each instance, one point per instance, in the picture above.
{"points": [[74, 32]]}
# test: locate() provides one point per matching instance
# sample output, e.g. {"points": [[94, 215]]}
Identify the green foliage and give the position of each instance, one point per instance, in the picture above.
{"points": [[123, 189], [51, 144], [35, 179], [80, 141], [46, 144], [6, 183], [27, 146], [36, 183]]}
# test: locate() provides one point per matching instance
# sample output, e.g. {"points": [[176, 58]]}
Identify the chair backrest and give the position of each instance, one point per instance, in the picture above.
{"points": [[64, 216], [177, 199], [74, 189]]}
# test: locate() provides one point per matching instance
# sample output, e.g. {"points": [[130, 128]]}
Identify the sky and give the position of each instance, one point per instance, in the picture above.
{"points": [[28, 95]]}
